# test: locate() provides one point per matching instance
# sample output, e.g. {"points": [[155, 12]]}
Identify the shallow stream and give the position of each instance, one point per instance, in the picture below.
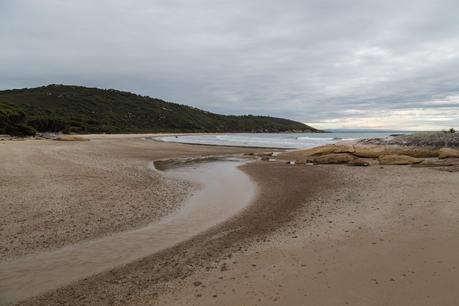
{"points": [[225, 191]]}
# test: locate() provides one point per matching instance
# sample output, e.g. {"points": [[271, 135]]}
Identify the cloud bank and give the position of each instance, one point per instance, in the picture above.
{"points": [[332, 63]]}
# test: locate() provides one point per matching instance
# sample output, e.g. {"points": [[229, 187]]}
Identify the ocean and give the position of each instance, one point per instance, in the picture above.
{"points": [[276, 140]]}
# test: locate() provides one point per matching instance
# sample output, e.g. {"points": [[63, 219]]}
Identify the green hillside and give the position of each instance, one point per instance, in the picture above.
{"points": [[75, 109]]}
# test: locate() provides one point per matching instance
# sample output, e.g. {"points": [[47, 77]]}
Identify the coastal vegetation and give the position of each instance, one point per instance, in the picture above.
{"points": [[81, 110]]}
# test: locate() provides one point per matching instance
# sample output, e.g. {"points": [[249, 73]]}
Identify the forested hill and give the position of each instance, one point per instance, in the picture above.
{"points": [[76, 109]]}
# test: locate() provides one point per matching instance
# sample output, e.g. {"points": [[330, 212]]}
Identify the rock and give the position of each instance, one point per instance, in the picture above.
{"points": [[374, 151], [70, 138], [419, 152], [265, 158], [334, 158], [342, 148], [448, 153], [398, 159], [327, 149], [264, 154], [368, 151], [359, 162], [318, 150], [436, 163], [308, 154]]}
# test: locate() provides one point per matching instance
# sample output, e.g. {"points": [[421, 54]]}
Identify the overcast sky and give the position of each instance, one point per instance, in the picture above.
{"points": [[331, 64]]}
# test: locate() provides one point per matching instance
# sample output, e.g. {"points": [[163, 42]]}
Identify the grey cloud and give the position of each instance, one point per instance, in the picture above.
{"points": [[326, 62]]}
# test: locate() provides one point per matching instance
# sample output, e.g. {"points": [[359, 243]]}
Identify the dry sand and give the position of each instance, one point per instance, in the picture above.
{"points": [[316, 235], [58, 193]]}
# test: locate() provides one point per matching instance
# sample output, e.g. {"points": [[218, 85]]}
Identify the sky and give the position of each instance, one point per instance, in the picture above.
{"points": [[328, 63]]}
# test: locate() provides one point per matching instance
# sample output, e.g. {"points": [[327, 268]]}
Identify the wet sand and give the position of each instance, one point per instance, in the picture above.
{"points": [[379, 236], [319, 235], [224, 191], [54, 194]]}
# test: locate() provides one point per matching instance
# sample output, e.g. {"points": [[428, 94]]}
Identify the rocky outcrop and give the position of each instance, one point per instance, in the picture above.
{"points": [[343, 148], [448, 153], [376, 151], [328, 149], [419, 152], [334, 158], [428, 163], [322, 150], [366, 155], [369, 151], [308, 154], [419, 139], [398, 159]]}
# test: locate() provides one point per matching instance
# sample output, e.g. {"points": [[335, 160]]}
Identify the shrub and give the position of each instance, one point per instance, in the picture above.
{"points": [[20, 130]]}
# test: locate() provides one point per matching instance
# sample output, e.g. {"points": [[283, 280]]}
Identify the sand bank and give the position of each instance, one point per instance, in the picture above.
{"points": [[221, 182], [54, 194]]}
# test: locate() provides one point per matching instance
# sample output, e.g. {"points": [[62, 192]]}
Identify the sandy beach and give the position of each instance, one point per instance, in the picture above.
{"points": [[313, 235]]}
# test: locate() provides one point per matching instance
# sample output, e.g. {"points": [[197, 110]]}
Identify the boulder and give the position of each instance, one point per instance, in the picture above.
{"points": [[419, 152], [448, 153], [322, 150], [303, 155], [398, 159], [343, 148], [428, 163], [327, 149], [374, 151], [308, 154], [70, 138], [369, 151], [334, 158]]}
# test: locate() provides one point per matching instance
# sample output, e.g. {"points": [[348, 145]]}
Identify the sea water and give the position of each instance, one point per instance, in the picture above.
{"points": [[277, 140]]}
